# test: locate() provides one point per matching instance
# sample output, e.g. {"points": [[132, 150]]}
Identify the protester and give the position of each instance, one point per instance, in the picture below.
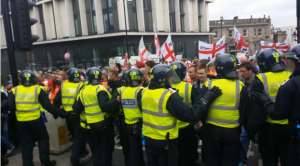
{"points": [[202, 72], [146, 77], [149, 65], [114, 81], [192, 73]]}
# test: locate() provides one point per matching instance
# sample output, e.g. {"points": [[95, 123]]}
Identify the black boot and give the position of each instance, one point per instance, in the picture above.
{"points": [[49, 163]]}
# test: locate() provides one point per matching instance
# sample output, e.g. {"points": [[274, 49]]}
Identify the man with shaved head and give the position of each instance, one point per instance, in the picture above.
{"points": [[146, 77]]}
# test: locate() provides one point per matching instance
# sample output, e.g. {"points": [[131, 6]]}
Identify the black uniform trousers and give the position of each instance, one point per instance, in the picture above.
{"points": [[30, 132], [157, 155], [121, 125], [221, 146], [103, 133], [87, 135], [134, 132], [73, 124], [274, 142], [187, 146]]}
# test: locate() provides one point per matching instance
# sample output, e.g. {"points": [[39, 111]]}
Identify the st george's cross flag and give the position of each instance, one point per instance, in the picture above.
{"points": [[208, 51], [277, 46], [239, 41], [156, 43], [167, 50], [143, 53]]}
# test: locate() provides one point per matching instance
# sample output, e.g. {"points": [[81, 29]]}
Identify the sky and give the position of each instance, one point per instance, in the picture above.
{"points": [[282, 12]]}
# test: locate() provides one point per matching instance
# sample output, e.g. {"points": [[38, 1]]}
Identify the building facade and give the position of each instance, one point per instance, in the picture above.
{"points": [[253, 31], [291, 32], [93, 31]]}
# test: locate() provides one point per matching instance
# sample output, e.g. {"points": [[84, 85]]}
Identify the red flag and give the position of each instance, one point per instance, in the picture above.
{"points": [[239, 41], [156, 42]]}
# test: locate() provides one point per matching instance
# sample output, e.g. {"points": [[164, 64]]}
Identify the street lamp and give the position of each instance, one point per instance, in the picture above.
{"points": [[221, 22]]}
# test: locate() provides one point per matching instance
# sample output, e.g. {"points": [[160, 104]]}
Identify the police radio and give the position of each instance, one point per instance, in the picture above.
{"points": [[143, 138], [44, 117]]}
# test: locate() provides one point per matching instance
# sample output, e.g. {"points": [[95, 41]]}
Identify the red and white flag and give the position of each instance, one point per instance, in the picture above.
{"points": [[208, 51], [187, 64], [156, 43], [239, 41], [143, 53], [287, 42], [277, 46], [167, 50]]}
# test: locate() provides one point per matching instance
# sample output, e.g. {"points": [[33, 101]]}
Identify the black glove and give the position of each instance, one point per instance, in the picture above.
{"points": [[259, 98], [63, 114], [211, 95]]}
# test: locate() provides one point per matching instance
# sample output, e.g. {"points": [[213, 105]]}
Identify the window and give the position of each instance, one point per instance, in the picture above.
{"points": [[216, 35], [179, 48], [199, 16], [230, 33], [255, 47], [77, 22], [259, 47], [148, 15], [172, 15], [254, 32], [110, 15], [132, 16], [259, 32], [181, 15], [196, 47], [91, 17], [245, 32], [40, 7]]}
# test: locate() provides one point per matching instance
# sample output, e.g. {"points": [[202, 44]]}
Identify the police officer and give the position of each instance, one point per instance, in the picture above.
{"points": [[120, 119], [287, 104], [133, 116], [274, 134], [221, 131], [96, 101], [187, 140], [66, 97], [161, 107], [26, 101]]}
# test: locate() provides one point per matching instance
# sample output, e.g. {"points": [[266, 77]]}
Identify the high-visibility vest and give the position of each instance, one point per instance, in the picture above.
{"points": [[185, 91], [272, 81], [46, 86], [224, 111], [27, 104], [157, 120], [130, 105], [53, 94], [119, 90], [69, 92], [44, 89], [83, 121], [104, 84], [89, 99]]}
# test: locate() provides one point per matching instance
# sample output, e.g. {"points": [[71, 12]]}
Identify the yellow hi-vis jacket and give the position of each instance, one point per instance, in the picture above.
{"points": [[44, 89], [224, 111], [120, 90], [130, 105], [88, 97], [272, 82], [27, 104], [185, 91], [69, 92], [157, 120]]}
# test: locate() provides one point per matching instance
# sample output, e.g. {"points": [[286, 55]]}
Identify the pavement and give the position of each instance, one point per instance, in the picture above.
{"points": [[15, 158]]}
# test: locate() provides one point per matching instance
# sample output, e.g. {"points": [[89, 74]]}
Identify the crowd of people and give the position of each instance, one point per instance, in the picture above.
{"points": [[166, 107]]}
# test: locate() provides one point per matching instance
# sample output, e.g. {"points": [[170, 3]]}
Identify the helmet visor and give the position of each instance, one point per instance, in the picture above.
{"points": [[290, 59], [172, 77]]}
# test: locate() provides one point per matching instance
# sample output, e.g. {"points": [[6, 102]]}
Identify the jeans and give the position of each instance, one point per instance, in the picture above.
{"points": [[245, 142], [6, 143], [4, 133]]}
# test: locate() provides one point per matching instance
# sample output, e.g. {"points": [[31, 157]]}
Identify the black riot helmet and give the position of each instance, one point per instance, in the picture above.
{"points": [[27, 77], [269, 60], [293, 59], [94, 75], [161, 74], [226, 66], [124, 78], [73, 75], [135, 77], [180, 69]]}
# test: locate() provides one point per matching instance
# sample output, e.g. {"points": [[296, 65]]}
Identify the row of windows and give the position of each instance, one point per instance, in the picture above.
{"points": [[111, 17], [245, 33], [85, 57]]}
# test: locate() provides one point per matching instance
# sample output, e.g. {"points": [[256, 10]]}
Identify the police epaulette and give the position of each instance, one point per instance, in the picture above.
{"points": [[173, 90]]}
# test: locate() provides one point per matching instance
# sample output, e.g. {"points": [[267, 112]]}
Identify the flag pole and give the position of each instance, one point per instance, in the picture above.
{"points": [[126, 30]]}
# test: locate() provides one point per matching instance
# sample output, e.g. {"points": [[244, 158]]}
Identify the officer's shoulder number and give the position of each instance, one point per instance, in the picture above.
{"points": [[285, 82]]}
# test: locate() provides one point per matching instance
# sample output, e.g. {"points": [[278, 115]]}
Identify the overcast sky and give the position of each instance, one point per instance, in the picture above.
{"points": [[282, 12]]}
